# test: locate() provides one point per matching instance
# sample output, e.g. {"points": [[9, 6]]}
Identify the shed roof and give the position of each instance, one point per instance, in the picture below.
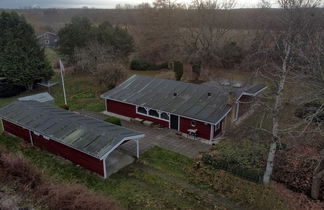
{"points": [[91, 136], [181, 98], [238, 87], [40, 97]]}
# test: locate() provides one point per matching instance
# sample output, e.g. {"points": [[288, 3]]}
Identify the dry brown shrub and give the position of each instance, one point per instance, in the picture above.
{"points": [[20, 172], [29, 180], [295, 200], [74, 197], [295, 168]]}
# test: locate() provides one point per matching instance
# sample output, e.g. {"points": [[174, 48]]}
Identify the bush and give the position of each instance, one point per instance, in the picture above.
{"points": [[109, 74], [74, 196], [64, 106], [27, 178], [113, 120], [295, 168], [309, 109], [178, 70], [30, 180], [231, 55], [7, 89], [246, 160], [141, 65]]}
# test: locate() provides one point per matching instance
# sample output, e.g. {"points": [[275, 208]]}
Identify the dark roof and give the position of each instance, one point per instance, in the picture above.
{"points": [[49, 33], [91, 136], [191, 100], [237, 87]]}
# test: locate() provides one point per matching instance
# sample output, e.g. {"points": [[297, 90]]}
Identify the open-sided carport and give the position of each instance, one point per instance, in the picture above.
{"points": [[83, 140]]}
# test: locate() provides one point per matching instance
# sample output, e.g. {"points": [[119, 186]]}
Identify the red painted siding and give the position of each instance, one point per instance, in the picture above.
{"points": [[16, 130], [69, 153], [130, 111], [203, 129]]}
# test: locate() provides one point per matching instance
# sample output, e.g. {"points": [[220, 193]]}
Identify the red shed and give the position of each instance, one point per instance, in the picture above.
{"points": [[80, 139], [201, 110]]}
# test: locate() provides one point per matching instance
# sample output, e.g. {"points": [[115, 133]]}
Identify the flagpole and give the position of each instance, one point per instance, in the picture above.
{"points": [[62, 77]]}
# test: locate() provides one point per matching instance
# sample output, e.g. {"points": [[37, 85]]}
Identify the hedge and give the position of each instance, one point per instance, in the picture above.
{"points": [[251, 174], [245, 158], [7, 89], [141, 65]]}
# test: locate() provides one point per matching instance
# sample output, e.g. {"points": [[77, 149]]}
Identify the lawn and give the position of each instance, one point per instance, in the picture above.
{"points": [[160, 179]]}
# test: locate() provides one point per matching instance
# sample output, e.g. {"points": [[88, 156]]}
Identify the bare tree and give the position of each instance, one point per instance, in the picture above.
{"points": [[207, 25], [89, 57], [109, 74], [283, 60], [158, 34]]}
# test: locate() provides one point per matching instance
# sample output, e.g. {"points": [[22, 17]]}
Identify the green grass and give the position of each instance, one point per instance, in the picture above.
{"points": [[136, 187], [132, 187]]}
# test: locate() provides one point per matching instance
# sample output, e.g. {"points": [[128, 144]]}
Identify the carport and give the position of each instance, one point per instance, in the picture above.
{"points": [[86, 141]]}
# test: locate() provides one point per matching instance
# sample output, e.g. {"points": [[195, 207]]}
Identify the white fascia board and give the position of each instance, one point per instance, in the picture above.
{"points": [[122, 141], [223, 116], [254, 94]]}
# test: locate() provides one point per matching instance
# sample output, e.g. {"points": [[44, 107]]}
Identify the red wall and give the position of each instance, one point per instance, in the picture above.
{"points": [[203, 130], [130, 111], [16, 130], [56, 148], [69, 153]]}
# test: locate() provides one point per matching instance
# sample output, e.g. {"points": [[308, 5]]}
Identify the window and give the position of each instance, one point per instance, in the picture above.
{"points": [[165, 116], [141, 110], [153, 113], [193, 123], [47, 42]]}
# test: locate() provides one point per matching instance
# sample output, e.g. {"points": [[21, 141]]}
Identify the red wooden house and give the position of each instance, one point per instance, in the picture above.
{"points": [[81, 139], [202, 110]]}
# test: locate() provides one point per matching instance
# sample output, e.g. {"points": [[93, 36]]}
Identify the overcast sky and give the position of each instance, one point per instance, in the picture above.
{"points": [[91, 3]]}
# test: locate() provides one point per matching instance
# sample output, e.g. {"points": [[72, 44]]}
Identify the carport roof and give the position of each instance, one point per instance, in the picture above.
{"points": [[91, 136], [40, 97]]}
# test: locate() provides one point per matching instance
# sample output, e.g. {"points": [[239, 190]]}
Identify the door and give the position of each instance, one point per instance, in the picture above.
{"points": [[174, 120]]}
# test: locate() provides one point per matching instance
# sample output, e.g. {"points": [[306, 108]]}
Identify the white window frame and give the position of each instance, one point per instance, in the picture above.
{"points": [[141, 112], [166, 114], [147, 115], [153, 110]]}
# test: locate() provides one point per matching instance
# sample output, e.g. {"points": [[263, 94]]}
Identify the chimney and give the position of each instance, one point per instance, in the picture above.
{"points": [[230, 98]]}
